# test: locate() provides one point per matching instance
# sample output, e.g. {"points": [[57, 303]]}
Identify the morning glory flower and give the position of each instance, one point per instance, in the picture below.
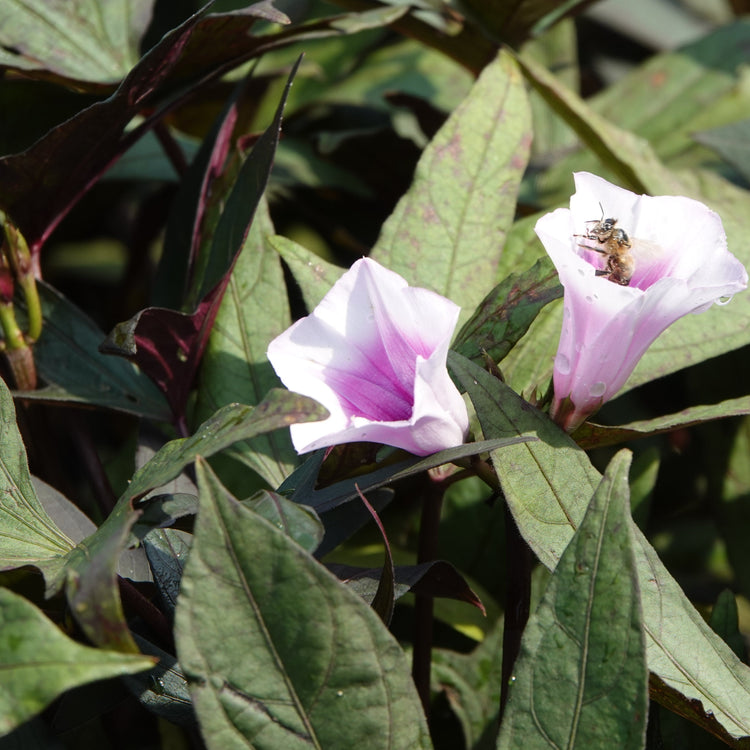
{"points": [[373, 352], [680, 264]]}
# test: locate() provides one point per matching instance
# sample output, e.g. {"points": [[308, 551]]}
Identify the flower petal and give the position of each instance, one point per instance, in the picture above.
{"points": [[682, 266], [374, 354]]}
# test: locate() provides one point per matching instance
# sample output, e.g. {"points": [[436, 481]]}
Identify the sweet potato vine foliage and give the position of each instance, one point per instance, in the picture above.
{"points": [[329, 336]]}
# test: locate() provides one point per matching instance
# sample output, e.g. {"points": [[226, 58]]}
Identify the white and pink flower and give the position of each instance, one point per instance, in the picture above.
{"points": [[682, 266], [373, 352]]}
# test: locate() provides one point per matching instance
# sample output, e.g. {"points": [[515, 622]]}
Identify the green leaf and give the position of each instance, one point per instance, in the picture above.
{"points": [[667, 100], [591, 435], [628, 156], [27, 534], [734, 510], [446, 233], [67, 357], [471, 683], [506, 313], [78, 39], [725, 622], [355, 69], [698, 674], [39, 662], [295, 686], [69, 519], [547, 484], [732, 143], [407, 67], [228, 425], [253, 311], [529, 362], [239, 207], [314, 275], [302, 485], [557, 50], [679, 93], [298, 522], [580, 679], [167, 551], [90, 567], [163, 690], [513, 22]]}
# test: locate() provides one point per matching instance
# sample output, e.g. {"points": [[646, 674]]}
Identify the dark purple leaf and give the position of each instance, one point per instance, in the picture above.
{"points": [[213, 264], [437, 578], [302, 482], [185, 226], [68, 360], [384, 598], [40, 185], [168, 345]]}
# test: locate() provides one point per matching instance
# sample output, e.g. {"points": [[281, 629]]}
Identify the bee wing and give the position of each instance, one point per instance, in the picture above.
{"points": [[649, 258], [645, 250]]}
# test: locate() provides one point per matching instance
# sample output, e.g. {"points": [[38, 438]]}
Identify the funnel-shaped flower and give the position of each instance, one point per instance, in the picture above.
{"points": [[373, 352], [680, 265]]}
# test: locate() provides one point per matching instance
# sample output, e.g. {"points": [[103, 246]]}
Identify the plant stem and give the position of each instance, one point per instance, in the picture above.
{"points": [[518, 561], [33, 307], [18, 257], [171, 148], [423, 605]]}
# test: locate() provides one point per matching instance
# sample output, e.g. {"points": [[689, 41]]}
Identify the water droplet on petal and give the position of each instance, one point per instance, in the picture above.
{"points": [[724, 300], [598, 389], [562, 363]]}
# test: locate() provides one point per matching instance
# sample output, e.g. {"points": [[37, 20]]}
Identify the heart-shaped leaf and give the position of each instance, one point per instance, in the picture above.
{"points": [[447, 232], [248, 589], [39, 662], [547, 485], [580, 679], [90, 568]]}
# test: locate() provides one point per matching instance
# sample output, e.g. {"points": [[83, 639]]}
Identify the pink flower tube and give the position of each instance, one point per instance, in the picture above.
{"points": [[680, 265], [373, 352]]}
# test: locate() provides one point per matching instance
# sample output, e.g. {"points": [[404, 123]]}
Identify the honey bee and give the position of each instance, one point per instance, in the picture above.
{"points": [[614, 243]]}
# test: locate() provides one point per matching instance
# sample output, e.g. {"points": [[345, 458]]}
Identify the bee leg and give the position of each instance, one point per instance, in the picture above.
{"points": [[595, 249]]}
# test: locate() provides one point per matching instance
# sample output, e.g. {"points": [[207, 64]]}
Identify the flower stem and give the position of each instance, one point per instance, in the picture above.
{"points": [[18, 257], [423, 605], [518, 562], [17, 351], [33, 307], [171, 148]]}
